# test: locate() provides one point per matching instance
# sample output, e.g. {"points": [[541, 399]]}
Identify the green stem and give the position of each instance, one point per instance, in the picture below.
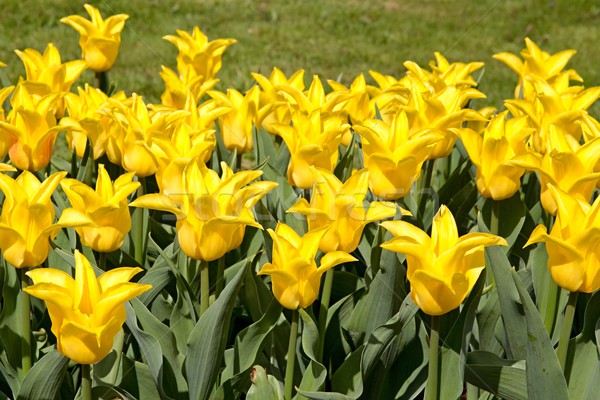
{"points": [[552, 305], [291, 356], [25, 325], [495, 217], [86, 382], [204, 286], [325, 298], [102, 78], [138, 223], [238, 162], [565, 333], [425, 183], [220, 273], [102, 261], [431, 391]]}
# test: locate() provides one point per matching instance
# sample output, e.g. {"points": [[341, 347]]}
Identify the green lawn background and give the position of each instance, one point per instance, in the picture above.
{"points": [[335, 39]]}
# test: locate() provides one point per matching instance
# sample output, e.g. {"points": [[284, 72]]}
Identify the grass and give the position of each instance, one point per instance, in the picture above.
{"points": [[336, 39]]}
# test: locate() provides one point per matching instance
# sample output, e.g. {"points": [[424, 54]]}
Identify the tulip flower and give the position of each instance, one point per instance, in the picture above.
{"points": [[245, 112], [295, 276], [213, 214], [442, 269], [84, 120], [568, 166], [86, 312], [502, 140], [197, 52], [7, 168], [442, 112], [394, 159], [538, 63], [105, 209], [131, 139], [99, 39], [30, 128], [270, 95], [27, 219], [45, 73], [311, 142], [5, 140], [177, 87], [573, 258], [359, 106], [341, 207]]}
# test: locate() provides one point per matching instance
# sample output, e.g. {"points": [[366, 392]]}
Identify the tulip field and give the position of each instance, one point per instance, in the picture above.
{"points": [[384, 236]]}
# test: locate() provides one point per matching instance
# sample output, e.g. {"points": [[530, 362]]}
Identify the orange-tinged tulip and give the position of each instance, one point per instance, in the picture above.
{"points": [[295, 276], [105, 209], [27, 220], [572, 244], [501, 141], [341, 207], [443, 268], [99, 38], [86, 312], [393, 158], [311, 142], [31, 129], [214, 212]]}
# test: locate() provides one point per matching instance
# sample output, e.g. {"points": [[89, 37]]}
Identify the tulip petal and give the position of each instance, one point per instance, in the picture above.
{"points": [[334, 258]]}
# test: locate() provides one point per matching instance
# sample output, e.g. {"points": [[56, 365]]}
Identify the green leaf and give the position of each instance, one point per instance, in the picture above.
{"points": [[264, 387], [515, 324], [208, 339], [175, 384], [248, 345], [150, 348], [503, 378], [582, 369], [381, 300], [44, 379], [545, 379], [315, 374], [104, 392]]}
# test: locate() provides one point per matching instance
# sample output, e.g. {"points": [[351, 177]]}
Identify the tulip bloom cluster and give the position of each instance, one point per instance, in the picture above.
{"points": [[347, 159]]}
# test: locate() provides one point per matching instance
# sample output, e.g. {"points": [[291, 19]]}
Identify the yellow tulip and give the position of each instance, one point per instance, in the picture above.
{"points": [[311, 142], [196, 51], [358, 106], [295, 277], [213, 214], [538, 63], [5, 140], [7, 168], [86, 312], [342, 209], [245, 112], [501, 141], [27, 220], [45, 73], [105, 209], [31, 129], [456, 73], [442, 112], [177, 87], [393, 158], [442, 269], [573, 259], [568, 166], [84, 120], [270, 95], [99, 39], [131, 140]]}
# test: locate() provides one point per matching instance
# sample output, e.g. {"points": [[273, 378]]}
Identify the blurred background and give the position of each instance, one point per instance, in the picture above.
{"points": [[336, 39]]}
